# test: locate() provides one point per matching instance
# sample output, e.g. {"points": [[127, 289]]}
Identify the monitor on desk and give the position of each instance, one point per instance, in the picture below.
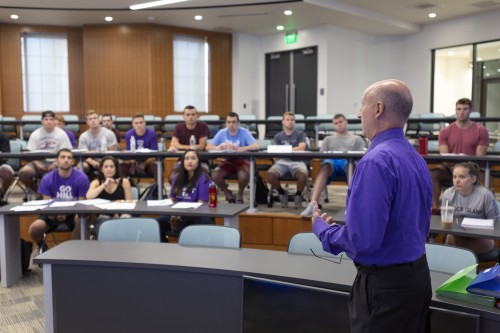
{"points": [[277, 306]]}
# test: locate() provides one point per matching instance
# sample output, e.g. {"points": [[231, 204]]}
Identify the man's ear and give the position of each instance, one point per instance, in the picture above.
{"points": [[380, 109]]}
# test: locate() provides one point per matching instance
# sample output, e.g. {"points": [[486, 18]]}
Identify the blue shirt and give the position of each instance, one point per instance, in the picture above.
{"points": [[388, 205], [242, 138]]}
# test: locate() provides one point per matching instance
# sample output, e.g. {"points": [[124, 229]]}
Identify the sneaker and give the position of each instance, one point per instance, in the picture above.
{"points": [[297, 201], [284, 200], [308, 212], [41, 249]]}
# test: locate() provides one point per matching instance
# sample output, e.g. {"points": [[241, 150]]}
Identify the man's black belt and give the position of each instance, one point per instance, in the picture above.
{"points": [[406, 264]]}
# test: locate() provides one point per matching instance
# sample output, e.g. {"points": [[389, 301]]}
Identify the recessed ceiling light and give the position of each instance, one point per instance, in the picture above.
{"points": [[479, 59], [280, 27], [432, 15], [108, 18], [14, 16], [451, 53], [198, 17], [288, 12]]}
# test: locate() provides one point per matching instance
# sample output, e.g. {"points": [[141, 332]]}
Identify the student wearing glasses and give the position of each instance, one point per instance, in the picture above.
{"points": [[233, 138]]}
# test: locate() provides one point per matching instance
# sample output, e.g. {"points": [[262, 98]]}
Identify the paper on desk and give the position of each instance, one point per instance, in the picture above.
{"points": [[117, 205], [23, 208], [478, 223], [156, 203], [144, 150], [94, 202], [63, 204], [181, 205], [38, 202]]}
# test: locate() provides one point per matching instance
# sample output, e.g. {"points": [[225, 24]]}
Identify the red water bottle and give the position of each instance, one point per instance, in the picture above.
{"points": [[422, 145], [212, 195]]}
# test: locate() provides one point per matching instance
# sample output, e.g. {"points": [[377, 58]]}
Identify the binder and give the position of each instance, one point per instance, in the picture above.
{"points": [[486, 283], [455, 288]]}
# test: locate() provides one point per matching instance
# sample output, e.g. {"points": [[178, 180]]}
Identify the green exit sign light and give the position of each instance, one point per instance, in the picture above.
{"points": [[291, 38]]}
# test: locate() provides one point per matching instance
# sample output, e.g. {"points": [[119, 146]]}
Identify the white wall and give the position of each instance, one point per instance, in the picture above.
{"points": [[349, 61]]}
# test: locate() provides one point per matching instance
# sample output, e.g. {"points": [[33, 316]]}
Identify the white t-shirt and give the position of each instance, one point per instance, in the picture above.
{"points": [[40, 139]]}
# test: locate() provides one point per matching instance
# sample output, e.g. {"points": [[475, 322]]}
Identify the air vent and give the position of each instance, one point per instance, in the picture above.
{"points": [[424, 5], [485, 4]]}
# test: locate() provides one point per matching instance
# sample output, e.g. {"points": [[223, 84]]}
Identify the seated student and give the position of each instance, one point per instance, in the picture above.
{"points": [[65, 183], [92, 140], [297, 139], [107, 122], [110, 186], [145, 138], [60, 122], [48, 138], [470, 199], [333, 168], [6, 171], [233, 138], [183, 132], [190, 184]]}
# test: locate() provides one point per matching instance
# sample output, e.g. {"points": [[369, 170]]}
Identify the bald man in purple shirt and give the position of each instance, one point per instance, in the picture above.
{"points": [[388, 210]]}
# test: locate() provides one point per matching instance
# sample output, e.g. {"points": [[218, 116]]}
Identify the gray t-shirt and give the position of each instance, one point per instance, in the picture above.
{"points": [[342, 143], [479, 204], [293, 139], [93, 143]]}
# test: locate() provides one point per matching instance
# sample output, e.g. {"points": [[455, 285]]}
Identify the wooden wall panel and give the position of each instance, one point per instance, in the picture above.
{"points": [[11, 67], [120, 69], [117, 64]]}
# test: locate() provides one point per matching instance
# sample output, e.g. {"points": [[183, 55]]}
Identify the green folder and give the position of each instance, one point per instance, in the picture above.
{"points": [[455, 287]]}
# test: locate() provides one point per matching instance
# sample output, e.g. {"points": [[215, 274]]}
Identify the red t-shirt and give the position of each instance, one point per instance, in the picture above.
{"points": [[463, 140], [183, 134]]}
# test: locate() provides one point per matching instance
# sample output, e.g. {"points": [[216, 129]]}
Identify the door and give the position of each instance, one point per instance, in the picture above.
{"points": [[291, 82]]}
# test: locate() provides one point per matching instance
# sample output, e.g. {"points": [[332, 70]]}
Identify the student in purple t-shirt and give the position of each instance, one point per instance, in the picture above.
{"points": [[190, 184], [145, 138], [60, 122], [65, 183]]}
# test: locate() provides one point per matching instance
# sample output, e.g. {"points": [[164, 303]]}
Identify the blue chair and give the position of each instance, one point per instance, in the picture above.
{"points": [[131, 229], [214, 128], [304, 242], [16, 146], [30, 128], [448, 259], [210, 236], [75, 128], [246, 122], [168, 128]]}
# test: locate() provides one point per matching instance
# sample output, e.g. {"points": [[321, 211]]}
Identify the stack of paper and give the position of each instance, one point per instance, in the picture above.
{"points": [[478, 223]]}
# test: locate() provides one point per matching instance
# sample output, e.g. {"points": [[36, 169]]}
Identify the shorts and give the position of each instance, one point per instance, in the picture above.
{"points": [[53, 222], [338, 168], [39, 173], [283, 167], [7, 167], [234, 166]]}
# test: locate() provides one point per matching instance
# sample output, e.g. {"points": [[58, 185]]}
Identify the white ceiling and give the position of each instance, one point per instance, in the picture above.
{"points": [[256, 17]]}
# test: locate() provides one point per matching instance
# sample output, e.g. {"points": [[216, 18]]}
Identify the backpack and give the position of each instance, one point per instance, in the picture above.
{"points": [[26, 249], [261, 190], [151, 193]]}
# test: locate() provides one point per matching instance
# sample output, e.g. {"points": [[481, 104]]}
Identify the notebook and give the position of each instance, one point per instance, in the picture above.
{"points": [[478, 223]]}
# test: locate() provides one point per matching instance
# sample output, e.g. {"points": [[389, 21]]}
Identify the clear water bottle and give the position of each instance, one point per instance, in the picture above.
{"points": [[192, 142], [104, 144], [132, 144]]}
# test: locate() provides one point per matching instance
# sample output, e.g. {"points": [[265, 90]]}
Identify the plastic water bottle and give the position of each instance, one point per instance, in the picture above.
{"points": [[104, 144], [132, 144], [192, 142]]}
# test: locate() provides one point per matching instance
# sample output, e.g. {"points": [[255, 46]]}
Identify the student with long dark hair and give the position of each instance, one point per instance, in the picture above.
{"points": [[110, 186], [190, 184]]}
